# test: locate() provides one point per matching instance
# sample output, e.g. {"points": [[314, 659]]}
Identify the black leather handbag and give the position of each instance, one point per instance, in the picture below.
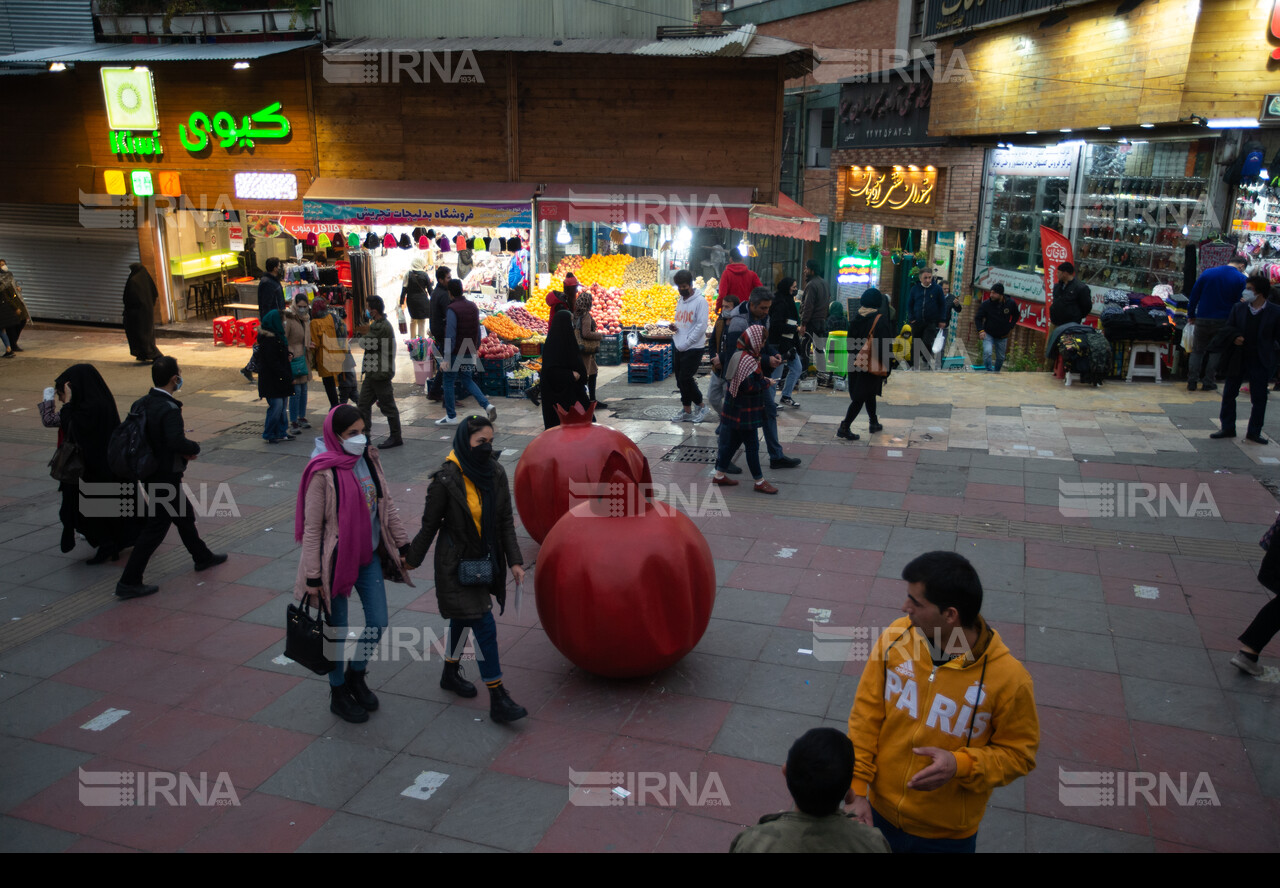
{"points": [[305, 640], [475, 571], [67, 465]]}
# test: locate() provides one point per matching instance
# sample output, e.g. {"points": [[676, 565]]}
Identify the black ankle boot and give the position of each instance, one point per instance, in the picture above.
{"points": [[359, 690], [343, 705], [452, 680], [844, 432], [875, 426], [502, 708]]}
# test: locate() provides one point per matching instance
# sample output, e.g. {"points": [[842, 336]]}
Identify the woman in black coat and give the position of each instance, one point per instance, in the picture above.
{"points": [[140, 295], [275, 377], [864, 386], [469, 509], [563, 376], [87, 419]]}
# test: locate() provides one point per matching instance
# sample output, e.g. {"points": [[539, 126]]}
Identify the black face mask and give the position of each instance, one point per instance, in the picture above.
{"points": [[483, 449]]}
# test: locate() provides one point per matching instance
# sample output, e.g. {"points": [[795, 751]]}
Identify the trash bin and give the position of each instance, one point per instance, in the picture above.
{"points": [[838, 352]]}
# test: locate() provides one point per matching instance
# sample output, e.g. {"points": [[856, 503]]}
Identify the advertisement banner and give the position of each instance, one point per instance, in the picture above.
{"points": [[1054, 250], [415, 213], [1054, 160]]}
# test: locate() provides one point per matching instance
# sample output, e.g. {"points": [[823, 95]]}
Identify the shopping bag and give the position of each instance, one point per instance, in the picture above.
{"points": [[938, 342], [404, 322], [1188, 337]]}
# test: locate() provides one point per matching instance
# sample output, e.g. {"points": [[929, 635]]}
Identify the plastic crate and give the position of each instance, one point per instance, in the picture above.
{"points": [[642, 373], [494, 383], [505, 365], [530, 349], [247, 331], [517, 387]]}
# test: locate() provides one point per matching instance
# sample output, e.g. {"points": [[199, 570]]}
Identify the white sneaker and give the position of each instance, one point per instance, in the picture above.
{"points": [[493, 412], [446, 421], [682, 417], [702, 413]]}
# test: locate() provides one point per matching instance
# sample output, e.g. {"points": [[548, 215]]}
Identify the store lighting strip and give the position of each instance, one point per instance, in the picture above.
{"points": [[266, 186]]}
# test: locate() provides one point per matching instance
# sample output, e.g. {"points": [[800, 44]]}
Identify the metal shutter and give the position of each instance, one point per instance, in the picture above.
{"points": [[67, 272]]}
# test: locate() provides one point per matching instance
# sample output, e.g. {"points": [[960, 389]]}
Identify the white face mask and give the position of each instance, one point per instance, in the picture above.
{"points": [[355, 446], [1248, 296]]}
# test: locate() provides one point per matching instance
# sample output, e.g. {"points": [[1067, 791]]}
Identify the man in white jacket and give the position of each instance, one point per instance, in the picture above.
{"points": [[689, 342]]}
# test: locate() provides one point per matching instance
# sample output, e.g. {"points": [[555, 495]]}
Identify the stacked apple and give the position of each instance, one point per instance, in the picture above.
{"points": [[606, 308], [522, 317], [493, 349]]}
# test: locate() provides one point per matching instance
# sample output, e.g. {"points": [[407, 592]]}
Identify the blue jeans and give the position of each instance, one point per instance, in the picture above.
{"points": [[4, 337], [793, 371], [905, 843], [991, 344], [463, 377], [276, 424], [731, 440], [486, 634], [373, 598], [298, 402]]}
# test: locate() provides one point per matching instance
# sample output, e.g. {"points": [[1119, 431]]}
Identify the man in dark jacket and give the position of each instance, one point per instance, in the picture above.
{"points": [[814, 306], [927, 315], [168, 503], [1072, 301], [756, 311], [995, 318], [379, 369], [440, 300], [1215, 293], [1260, 321], [270, 291]]}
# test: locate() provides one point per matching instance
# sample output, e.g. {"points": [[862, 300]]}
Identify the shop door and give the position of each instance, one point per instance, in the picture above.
{"points": [[67, 272]]}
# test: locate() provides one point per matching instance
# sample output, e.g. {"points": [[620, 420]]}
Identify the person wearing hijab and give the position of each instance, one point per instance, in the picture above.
{"points": [[140, 295], [468, 508], [297, 329], [352, 538], [415, 294], [558, 302], [864, 386], [563, 374], [784, 322], [87, 419], [275, 378], [329, 346], [584, 329], [745, 390]]}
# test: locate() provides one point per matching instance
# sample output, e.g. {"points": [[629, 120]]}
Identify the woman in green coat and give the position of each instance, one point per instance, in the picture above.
{"points": [[469, 508]]}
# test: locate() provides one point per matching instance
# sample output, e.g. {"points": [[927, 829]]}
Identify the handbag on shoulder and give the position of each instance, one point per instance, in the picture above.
{"points": [[305, 641]]}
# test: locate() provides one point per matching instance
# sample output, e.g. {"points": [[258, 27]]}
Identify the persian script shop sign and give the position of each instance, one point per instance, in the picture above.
{"points": [[899, 188], [890, 110], [943, 17]]}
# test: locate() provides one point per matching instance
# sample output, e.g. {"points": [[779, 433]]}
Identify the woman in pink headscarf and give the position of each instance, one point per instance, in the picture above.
{"points": [[351, 538]]}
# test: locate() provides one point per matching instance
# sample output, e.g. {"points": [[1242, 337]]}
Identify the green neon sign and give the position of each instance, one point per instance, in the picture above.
{"points": [[142, 185], [268, 123]]}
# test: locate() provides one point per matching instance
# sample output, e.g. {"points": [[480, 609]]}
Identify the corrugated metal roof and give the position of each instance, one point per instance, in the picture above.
{"points": [[734, 43], [155, 52]]}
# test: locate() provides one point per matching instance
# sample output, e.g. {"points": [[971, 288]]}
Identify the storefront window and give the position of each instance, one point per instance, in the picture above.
{"points": [[1139, 205], [1018, 206]]}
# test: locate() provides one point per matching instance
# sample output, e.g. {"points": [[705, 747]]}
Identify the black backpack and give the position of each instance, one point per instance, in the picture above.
{"points": [[129, 453]]}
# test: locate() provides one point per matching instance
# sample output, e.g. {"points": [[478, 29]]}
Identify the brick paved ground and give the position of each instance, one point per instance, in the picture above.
{"points": [[1126, 679]]}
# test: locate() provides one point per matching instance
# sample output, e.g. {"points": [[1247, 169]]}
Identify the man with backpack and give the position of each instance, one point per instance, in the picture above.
{"points": [[157, 453]]}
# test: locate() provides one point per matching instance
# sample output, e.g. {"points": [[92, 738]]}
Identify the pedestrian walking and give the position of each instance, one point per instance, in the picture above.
{"points": [[689, 343], [716, 342], [563, 375], [461, 351], [270, 298], [1214, 294], [328, 347], [468, 508], [379, 369], [784, 337], [86, 420], [275, 377], [584, 329], [995, 320], [439, 319], [297, 329], [927, 315], [168, 502], [814, 308], [1255, 323], [140, 295], [746, 391], [1072, 300], [944, 714], [738, 281], [415, 294], [868, 369], [352, 538], [1267, 621]]}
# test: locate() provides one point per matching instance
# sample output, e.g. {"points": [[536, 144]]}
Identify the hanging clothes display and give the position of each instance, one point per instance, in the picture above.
{"points": [[362, 284]]}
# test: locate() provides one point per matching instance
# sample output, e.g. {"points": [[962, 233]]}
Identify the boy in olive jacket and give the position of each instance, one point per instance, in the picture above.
{"points": [[379, 369]]}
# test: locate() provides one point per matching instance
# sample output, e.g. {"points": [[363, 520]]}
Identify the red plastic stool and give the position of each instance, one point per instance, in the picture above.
{"points": [[224, 330], [247, 332]]}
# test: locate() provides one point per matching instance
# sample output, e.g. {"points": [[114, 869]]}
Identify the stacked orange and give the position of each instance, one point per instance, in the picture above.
{"points": [[505, 328]]}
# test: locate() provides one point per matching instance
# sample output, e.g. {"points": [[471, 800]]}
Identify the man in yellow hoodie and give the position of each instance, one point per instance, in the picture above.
{"points": [[944, 714]]}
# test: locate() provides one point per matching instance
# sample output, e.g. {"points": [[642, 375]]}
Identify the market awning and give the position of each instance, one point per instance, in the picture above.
{"points": [[787, 219], [647, 205], [108, 53], [387, 202]]}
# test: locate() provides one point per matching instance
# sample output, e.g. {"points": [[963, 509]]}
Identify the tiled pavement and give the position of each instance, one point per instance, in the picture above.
{"points": [[1127, 678]]}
